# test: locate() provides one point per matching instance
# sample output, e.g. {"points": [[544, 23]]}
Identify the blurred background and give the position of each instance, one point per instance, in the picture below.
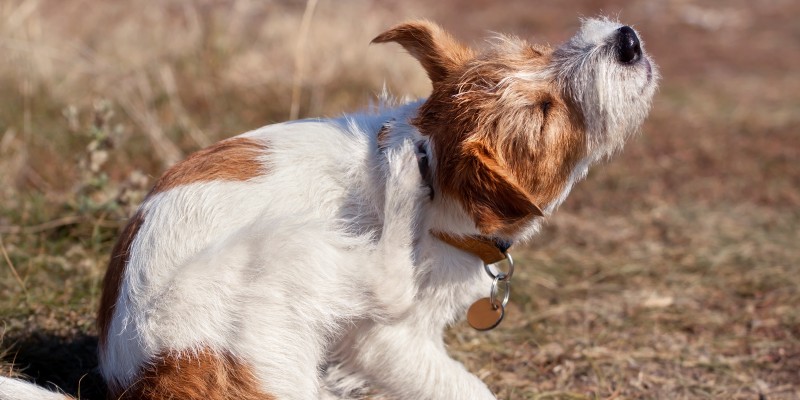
{"points": [[670, 273]]}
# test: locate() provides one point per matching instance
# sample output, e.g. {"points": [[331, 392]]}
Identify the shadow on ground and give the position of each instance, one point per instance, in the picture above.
{"points": [[55, 361]]}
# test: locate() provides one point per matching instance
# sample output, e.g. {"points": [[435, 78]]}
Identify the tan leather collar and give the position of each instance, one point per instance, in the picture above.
{"points": [[487, 249]]}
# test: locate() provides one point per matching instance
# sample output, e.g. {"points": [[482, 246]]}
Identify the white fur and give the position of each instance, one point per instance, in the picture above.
{"points": [[13, 389], [615, 98], [325, 263]]}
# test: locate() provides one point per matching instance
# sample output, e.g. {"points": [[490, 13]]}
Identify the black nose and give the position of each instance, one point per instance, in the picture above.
{"points": [[629, 50]]}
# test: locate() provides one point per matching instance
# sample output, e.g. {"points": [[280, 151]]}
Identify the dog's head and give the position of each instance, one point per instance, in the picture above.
{"points": [[514, 126]]}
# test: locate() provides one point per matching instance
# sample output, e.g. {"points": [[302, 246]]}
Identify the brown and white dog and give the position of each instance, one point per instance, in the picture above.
{"points": [[296, 261]]}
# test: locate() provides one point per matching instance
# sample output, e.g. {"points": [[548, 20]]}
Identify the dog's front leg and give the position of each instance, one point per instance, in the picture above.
{"points": [[407, 361], [393, 282]]}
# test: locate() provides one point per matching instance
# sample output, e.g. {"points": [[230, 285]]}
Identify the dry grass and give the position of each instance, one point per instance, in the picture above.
{"points": [[670, 273]]}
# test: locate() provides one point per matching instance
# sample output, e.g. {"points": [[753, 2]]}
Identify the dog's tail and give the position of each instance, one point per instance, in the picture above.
{"points": [[15, 389]]}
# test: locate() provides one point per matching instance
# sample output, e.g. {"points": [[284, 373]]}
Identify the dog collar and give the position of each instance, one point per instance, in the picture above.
{"points": [[487, 312], [489, 250]]}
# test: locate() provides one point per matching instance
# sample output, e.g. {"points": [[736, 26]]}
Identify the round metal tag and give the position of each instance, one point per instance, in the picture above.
{"points": [[483, 315]]}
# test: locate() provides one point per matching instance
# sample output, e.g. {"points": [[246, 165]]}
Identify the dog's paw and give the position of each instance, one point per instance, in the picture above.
{"points": [[408, 170]]}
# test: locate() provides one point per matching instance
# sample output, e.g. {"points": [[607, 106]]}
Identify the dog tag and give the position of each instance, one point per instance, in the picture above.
{"points": [[483, 315]]}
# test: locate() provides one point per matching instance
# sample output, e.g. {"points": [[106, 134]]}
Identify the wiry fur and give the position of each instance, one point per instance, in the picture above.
{"points": [[295, 261], [199, 374], [611, 116]]}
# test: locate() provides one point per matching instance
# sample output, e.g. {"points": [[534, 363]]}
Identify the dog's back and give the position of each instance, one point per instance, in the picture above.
{"points": [[241, 239]]}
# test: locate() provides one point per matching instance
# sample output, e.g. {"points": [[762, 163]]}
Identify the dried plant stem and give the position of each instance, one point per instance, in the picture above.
{"points": [[144, 116], [184, 120], [13, 270], [299, 57]]}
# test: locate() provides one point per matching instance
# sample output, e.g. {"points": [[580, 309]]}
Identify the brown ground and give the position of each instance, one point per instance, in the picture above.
{"points": [[670, 273]]}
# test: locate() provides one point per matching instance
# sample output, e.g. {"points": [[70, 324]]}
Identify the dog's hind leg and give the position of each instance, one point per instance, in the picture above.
{"points": [[406, 192], [265, 297]]}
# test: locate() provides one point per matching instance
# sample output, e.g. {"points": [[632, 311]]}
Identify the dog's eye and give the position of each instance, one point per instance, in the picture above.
{"points": [[545, 108]]}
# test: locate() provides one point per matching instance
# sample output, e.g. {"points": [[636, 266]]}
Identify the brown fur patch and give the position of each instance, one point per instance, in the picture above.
{"points": [[114, 274], [235, 159], [194, 376], [435, 49], [488, 191], [505, 140]]}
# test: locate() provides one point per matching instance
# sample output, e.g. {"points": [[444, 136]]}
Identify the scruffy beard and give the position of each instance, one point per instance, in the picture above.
{"points": [[615, 98]]}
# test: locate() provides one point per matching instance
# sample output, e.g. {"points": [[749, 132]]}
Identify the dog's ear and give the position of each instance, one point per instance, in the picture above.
{"points": [[435, 49], [489, 193]]}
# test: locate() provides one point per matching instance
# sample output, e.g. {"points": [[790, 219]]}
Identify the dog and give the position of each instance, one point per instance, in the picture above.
{"points": [[322, 259]]}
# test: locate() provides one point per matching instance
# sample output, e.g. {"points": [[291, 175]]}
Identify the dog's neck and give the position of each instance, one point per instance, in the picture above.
{"points": [[489, 249]]}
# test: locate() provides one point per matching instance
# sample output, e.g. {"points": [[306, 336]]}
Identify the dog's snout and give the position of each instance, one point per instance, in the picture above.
{"points": [[629, 50]]}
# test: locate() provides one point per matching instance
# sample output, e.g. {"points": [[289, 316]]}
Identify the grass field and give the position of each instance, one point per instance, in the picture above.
{"points": [[671, 273]]}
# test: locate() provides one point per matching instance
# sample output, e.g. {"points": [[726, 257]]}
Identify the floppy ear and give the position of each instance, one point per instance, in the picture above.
{"points": [[435, 49], [489, 193]]}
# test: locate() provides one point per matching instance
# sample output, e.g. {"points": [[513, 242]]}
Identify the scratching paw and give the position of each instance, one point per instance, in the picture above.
{"points": [[408, 170]]}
